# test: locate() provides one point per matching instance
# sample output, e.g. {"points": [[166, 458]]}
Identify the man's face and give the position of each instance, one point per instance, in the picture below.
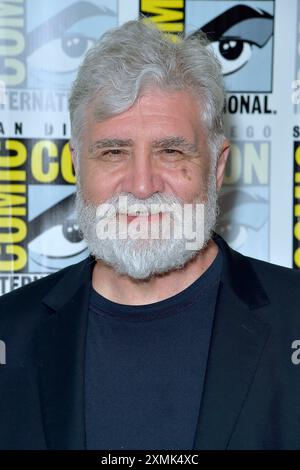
{"points": [[157, 152], [145, 161]]}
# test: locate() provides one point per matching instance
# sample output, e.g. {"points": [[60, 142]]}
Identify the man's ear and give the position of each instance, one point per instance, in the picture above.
{"points": [[221, 164]]}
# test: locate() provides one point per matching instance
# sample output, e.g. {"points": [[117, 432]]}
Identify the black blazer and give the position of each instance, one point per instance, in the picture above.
{"points": [[251, 396]]}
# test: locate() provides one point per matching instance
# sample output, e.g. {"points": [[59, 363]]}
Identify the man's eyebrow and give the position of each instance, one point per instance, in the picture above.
{"points": [[112, 142], [179, 142], [174, 141]]}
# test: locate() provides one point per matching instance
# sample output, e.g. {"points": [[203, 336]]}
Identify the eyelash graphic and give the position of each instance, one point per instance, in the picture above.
{"points": [[235, 32]]}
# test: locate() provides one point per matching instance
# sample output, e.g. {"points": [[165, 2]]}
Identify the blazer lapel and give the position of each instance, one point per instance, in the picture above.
{"points": [[60, 353], [239, 335]]}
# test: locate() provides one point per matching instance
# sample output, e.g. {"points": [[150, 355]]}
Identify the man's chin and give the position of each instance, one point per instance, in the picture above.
{"points": [[143, 259]]}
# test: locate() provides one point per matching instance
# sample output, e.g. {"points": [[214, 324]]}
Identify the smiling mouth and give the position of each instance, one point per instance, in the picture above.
{"points": [[149, 217], [139, 216]]}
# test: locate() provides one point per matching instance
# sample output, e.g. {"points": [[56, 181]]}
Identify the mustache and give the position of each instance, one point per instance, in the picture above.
{"points": [[128, 204], [124, 200]]}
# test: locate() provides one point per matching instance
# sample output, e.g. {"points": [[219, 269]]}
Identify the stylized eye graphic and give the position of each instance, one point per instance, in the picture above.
{"points": [[63, 54], [54, 237], [241, 215], [235, 234], [52, 245], [58, 45], [236, 33]]}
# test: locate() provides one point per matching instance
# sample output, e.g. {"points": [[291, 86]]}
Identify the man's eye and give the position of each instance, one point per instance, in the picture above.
{"points": [[112, 152], [112, 155], [172, 153]]}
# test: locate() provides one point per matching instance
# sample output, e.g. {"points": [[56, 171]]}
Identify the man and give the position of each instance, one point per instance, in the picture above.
{"points": [[164, 338]]}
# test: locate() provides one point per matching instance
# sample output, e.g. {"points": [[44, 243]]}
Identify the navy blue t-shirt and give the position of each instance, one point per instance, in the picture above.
{"points": [[145, 367]]}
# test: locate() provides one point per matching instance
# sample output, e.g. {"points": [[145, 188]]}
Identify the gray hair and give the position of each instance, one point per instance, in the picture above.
{"points": [[135, 55]]}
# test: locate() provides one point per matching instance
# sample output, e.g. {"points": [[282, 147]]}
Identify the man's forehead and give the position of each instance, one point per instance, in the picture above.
{"points": [[154, 101], [156, 128]]}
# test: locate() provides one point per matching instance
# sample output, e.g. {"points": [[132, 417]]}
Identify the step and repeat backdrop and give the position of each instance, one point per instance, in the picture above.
{"points": [[43, 42]]}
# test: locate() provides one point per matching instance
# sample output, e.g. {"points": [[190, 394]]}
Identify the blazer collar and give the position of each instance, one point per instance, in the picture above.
{"points": [[238, 338]]}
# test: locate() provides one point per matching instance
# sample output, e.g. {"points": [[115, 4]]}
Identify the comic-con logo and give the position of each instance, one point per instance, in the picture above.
{"points": [[168, 16], [38, 228]]}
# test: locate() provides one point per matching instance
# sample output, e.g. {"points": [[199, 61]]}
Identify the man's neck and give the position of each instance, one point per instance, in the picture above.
{"points": [[125, 290]]}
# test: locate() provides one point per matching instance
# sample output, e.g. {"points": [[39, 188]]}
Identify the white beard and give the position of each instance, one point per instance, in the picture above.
{"points": [[144, 258]]}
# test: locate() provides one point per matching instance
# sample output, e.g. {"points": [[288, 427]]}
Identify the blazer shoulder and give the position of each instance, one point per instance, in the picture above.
{"points": [[25, 301], [279, 282], [274, 270]]}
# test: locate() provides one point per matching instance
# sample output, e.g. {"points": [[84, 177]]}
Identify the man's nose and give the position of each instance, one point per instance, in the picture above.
{"points": [[143, 176]]}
